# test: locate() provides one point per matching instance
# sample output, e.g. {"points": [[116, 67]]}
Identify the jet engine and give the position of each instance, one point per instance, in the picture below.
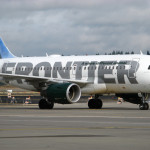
{"points": [[63, 93]]}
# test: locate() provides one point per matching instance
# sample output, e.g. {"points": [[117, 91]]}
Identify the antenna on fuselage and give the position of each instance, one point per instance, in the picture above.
{"points": [[141, 52]]}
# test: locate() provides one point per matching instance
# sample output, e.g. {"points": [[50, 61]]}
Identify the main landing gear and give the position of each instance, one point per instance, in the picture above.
{"points": [[46, 104], [143, 105], [95, 103]]}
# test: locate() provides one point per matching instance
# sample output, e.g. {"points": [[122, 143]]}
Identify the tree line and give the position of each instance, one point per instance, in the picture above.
{"points": [[122, 53], [117, 53]]}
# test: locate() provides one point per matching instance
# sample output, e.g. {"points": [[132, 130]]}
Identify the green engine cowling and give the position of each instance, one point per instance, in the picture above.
{"points": [[64, 93]]}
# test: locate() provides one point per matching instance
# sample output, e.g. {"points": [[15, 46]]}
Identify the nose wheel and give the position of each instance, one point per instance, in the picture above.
{"points": [[144, 106]]}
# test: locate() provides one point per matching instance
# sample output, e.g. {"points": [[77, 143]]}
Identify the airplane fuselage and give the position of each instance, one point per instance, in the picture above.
{"points": [[105, 74]]}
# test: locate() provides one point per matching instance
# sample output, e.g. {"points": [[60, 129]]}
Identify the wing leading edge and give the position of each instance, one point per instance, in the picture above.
{"points": [[41, 79]]}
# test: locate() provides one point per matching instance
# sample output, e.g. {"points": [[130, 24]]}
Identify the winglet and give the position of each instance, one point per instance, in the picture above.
{"points": [[4, 51]]}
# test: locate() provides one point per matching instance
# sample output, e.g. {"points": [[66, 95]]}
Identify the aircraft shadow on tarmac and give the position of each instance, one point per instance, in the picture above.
{"points": [[66, 108], [55, 136]]}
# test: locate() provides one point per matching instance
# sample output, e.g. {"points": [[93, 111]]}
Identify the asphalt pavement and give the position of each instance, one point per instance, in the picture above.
{"points": [[72, 127]]}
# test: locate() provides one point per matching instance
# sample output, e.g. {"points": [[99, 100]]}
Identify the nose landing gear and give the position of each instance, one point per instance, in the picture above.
{"points": [[144, 105]]}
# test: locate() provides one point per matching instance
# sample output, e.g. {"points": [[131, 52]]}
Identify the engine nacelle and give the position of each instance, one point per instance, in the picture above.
{"points": [[63, 93]]}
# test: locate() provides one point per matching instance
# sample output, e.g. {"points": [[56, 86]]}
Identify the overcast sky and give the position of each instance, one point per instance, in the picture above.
{"points": [[36, 27]]}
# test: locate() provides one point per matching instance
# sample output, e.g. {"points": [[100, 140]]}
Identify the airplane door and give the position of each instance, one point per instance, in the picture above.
{"points": [[133, 67], [4, 67], [74, 69]]}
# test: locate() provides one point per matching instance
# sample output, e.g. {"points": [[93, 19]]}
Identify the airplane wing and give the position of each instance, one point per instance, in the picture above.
{"points": [[41, 79]]}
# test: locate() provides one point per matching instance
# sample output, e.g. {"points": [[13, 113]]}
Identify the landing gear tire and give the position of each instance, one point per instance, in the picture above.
{"points": [[50, 104], [144, 106], [44, 104], [95, 103]]}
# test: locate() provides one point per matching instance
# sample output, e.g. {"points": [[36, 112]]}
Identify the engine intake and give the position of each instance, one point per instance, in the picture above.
{"points": [[63, 93]]}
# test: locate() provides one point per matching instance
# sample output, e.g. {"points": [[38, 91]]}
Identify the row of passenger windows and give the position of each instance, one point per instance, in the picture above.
{"points": [[70, 68]]}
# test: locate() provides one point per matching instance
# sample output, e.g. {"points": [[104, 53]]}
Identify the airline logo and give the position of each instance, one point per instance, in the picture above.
{"points": [[106, 71]]}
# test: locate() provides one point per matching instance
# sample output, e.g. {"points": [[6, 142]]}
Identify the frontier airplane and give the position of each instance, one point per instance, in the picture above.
{"points": [[62, 79]]}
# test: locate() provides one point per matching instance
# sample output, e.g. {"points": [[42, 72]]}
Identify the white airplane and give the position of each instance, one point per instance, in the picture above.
{"points": [[62, 79]]}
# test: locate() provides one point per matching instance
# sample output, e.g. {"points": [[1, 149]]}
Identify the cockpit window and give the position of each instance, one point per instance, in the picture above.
{"points": [[149, 67]]}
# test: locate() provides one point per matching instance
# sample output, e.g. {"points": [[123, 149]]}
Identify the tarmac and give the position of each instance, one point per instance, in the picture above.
{"points": [[74, 127]]}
